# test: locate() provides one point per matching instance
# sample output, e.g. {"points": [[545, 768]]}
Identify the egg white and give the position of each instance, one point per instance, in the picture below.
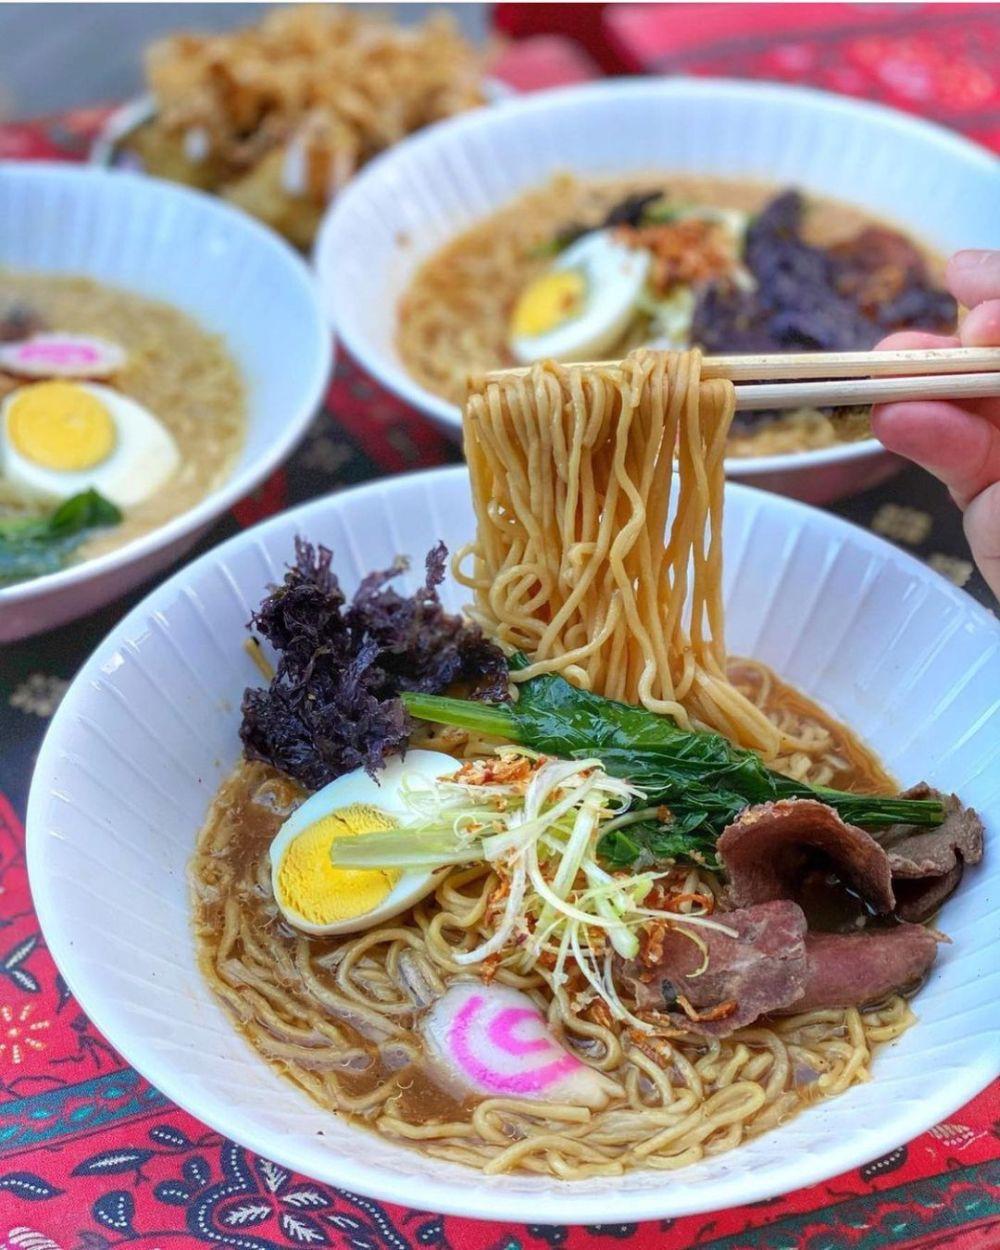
{"points": [[144, 457], [614, 278], [384, 794]]}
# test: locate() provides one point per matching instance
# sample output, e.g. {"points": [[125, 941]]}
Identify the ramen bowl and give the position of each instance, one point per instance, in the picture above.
{"points": [[149, 728], [233, 277], [410, 202]]}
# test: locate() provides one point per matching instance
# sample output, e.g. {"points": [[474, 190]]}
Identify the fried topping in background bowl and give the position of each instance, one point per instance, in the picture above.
{"points": [[277, 116]]}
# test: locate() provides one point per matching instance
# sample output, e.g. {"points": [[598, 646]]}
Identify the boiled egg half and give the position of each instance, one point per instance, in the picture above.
{"points": [[582, 304], [319, 898], [58, 438]]}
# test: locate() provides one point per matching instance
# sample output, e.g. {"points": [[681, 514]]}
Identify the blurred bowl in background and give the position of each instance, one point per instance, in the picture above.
{"points": [[234, 277]]}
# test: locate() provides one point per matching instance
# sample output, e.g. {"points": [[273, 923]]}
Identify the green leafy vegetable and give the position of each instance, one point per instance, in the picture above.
{"points": [[701, 778], [31, 546], [661, 212], [547, 249]]}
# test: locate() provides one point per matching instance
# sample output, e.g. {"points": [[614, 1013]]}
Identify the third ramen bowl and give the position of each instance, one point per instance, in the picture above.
{"points": [[135, 255], [880, 166]]}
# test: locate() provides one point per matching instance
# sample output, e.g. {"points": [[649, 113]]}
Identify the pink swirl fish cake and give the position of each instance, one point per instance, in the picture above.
{"points": [[495, 1042]]}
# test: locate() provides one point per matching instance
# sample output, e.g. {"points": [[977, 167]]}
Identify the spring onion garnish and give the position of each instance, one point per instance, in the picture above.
{"points": [[538, 823]]}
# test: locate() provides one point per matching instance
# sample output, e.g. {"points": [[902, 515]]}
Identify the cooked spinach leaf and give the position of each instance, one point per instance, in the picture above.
{"points": [[701, 779], [31, 546]]}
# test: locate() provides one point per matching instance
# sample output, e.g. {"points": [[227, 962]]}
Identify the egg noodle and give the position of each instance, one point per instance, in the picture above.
{"points": [[571, 475], [577, 560], [336, 1016]]}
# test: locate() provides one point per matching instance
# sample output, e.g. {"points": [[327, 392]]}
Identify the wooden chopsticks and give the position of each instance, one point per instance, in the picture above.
{"points": [[844, 379]]}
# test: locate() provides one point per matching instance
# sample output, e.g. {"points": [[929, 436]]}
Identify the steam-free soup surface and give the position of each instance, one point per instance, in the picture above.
{"points": [[454, 316]]}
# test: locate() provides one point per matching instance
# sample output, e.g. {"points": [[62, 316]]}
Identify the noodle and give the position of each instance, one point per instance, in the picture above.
{"points": [[577, 560]]}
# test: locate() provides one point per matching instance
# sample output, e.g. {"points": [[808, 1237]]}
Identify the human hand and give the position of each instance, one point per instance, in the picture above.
{"points": [[958, 443]]}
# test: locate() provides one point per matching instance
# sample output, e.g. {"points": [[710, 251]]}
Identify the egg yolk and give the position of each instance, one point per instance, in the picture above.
{"points": [[314, 889], [60, 426], [553, 298]]}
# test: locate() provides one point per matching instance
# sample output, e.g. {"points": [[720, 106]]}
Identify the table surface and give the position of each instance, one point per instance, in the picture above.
{"points": [[91, 1156]]}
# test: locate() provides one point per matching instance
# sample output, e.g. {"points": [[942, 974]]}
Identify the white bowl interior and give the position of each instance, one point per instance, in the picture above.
{"points": [[414, 199], [150, 727], [234, 277]]}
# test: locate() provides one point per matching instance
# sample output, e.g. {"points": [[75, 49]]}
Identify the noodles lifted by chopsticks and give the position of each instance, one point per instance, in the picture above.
{"points": [[591, 555]]}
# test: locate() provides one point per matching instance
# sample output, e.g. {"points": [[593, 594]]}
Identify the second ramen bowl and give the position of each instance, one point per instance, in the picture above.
{"points": [[411, 201]]}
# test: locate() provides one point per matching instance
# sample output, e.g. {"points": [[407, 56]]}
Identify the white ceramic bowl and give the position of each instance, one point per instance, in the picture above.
{"points": [[411, 201], [149, 728], [235, 278]]}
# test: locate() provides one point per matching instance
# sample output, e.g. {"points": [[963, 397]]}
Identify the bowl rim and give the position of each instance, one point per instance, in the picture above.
{"points": [[317, 362], [564, 1204], [394, 376]]}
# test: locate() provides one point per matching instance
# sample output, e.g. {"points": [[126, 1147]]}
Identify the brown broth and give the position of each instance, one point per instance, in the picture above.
{"points": [[454, 314], [858, 770], [245, 817]]}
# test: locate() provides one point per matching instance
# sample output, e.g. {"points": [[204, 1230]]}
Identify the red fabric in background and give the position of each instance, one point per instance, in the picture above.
{"points": [[941, 61], [93, 1158]]}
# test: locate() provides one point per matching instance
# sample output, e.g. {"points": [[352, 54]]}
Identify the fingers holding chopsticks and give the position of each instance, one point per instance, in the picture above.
{"points": [[958, 443], [960, 447], [973, 277]]}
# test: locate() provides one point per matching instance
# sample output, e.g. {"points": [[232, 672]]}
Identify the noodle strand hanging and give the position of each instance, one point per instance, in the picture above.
{"points": [[592, 555]]}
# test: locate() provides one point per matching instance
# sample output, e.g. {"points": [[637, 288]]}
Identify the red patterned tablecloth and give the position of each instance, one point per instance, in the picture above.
{"points": [[91, 1156]]}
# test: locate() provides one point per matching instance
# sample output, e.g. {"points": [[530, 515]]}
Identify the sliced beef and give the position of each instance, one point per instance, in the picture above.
{"points": [[874, 266], [730, 982], [849, 970], [919, 898], [772, 848], [927, 864], [883, 273]]}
